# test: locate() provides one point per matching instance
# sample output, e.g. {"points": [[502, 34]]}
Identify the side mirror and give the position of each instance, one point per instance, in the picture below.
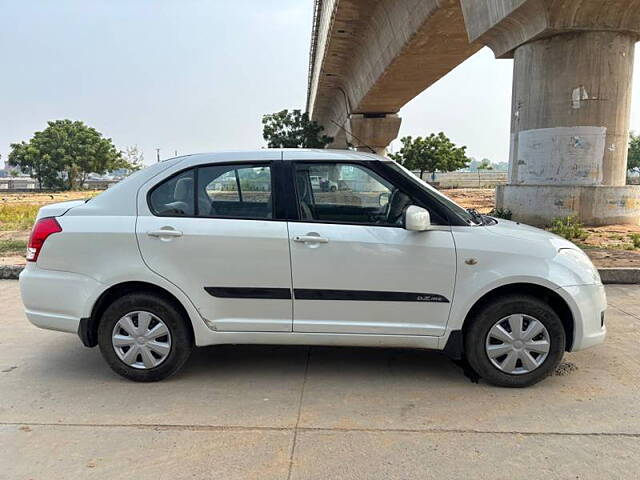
{"points": [[416, 219]]}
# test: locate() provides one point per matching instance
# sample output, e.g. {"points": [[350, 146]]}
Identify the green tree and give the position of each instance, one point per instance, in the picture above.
{"points": [[134, 157], [293, 129], [633, 163], [485, 164], [63, 154], [435, 153], [30, 160]]}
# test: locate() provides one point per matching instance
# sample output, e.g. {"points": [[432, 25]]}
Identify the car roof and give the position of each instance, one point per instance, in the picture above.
{"points": [[283, 154]]}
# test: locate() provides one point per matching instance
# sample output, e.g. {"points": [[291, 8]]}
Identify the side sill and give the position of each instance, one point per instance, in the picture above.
{"points": [[422, 342]]}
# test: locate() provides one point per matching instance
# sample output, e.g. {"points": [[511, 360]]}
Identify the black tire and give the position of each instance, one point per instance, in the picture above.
{"points": [[181, 337], [484, 320]]}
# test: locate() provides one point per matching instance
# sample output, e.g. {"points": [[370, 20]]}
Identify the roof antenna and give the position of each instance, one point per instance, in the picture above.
{"points": [[352, 135]]}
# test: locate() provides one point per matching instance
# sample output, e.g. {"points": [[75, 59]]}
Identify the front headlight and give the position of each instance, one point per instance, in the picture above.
{"points": [[580, 263]]}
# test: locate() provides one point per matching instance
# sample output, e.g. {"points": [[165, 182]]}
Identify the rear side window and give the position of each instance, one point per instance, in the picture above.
{"points": [[216, 191], [235, 191], [174, 197]]}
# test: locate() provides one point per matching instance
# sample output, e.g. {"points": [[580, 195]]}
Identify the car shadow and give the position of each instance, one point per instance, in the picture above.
{"points": [[329, 362], [66, 358]]}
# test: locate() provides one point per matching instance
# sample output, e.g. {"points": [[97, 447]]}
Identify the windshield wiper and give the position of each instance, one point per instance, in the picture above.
{"points": [[477, 217]]}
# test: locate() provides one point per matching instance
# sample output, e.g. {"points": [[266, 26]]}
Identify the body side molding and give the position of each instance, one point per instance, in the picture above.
{"points": [[324, 294], [367, 295], [249, 292]]}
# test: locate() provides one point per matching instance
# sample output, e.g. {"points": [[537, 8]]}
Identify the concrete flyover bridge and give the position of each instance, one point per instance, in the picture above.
{"points": [[573, 65]]}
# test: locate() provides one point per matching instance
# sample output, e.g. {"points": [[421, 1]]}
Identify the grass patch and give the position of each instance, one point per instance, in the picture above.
{"points": [[504, 213], [12, 247], [635, 239], [569, 228], [18, 216]]}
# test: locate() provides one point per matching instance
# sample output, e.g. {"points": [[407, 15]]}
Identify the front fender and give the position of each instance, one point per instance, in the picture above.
{"points": [[463, 303], [486, 261]]}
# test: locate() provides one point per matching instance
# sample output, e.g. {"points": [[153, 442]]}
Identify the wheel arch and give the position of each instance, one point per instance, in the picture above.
{"points": [[555, 301], [88, 329]]}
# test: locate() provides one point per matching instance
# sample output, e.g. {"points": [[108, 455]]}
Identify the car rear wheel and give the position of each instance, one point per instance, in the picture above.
{"points": [[144, 338], [515, 341]]}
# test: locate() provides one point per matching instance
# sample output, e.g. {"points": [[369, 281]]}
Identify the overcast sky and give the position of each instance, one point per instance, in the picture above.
{"points": [[196, 75]]}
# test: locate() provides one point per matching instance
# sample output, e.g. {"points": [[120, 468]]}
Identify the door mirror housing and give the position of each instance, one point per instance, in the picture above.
{"points": [[416, 219]]}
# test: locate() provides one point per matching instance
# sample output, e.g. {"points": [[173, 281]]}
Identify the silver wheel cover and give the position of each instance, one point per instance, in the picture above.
{"points": [[141, 340], [517, 344]]}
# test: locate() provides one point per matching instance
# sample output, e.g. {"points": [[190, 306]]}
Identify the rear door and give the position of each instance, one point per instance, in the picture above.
{"points": [[211, 230]]}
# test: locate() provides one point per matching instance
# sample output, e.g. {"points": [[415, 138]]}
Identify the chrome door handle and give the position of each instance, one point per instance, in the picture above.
{"points": [[164, 233], [310, 239]]}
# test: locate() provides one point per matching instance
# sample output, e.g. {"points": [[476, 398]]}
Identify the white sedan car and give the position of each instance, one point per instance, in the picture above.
{"points": [[242, 247]]}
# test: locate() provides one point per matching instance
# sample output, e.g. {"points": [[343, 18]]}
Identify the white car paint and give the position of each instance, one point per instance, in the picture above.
{"points": [[230, 253], [105, 242], [377, 259]]}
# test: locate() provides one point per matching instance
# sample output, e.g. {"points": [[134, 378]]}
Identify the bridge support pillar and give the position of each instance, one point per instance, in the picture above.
{"points": [[339, 141], [375, 132], [570, 130], [573, 64]]}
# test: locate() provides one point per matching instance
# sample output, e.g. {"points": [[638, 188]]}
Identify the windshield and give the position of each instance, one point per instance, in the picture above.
{"points": [[457, 209]]}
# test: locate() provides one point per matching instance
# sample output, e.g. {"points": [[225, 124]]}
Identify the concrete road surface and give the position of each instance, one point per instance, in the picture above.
{"points": [[313, 413]]}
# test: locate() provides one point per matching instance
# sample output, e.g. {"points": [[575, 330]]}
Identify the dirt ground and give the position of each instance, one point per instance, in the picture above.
{"points": [[43, 198], [482, 199], [608, 246]]}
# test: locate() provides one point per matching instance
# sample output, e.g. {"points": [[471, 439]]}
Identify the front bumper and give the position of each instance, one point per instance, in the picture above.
{"points": [[56, 300], [588, 304]]}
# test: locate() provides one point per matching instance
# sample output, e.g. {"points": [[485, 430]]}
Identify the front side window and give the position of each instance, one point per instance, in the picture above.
{"points": [[236, 191], [348, 193], [463, 213]]}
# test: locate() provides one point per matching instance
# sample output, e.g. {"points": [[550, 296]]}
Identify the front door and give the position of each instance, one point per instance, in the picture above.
{"points": [[210, 230], [355, 269]]}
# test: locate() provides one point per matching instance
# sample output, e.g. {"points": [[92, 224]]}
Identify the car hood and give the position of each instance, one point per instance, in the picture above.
{"points": [[521, 231], [533, 249]]}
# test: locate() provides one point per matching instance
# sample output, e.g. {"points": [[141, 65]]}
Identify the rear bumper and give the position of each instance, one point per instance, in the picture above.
{"points": [[588, 304], [56, 300]]}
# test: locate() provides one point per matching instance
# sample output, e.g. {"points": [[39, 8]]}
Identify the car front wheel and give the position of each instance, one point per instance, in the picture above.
{"points": [[144, 338], [515, 341]]}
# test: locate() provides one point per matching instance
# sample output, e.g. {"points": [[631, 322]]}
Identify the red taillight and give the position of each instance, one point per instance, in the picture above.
{"points": [[41, 230]]}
